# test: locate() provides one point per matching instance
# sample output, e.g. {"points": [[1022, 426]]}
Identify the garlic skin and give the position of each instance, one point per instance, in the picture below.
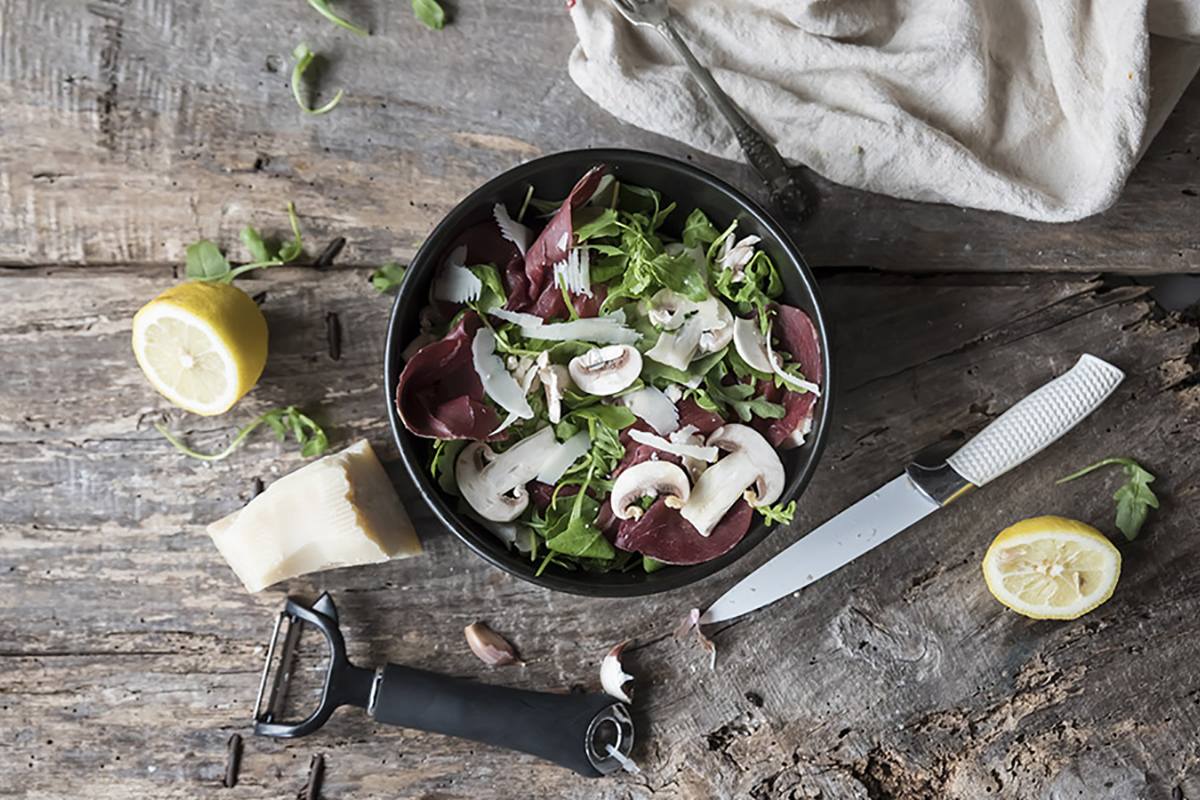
{"points": [[612, 677], [490, 647]]}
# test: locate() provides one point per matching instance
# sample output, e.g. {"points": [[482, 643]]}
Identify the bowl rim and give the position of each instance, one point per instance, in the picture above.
{"points": [[449, 227]]}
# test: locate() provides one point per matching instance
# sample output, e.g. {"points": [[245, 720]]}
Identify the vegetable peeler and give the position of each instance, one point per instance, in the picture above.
{"points": [[591, 734]]}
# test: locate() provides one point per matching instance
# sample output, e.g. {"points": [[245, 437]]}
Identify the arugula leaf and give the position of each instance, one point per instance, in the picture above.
{"points": [[777, 513], [606, 223], [309, 435], [661, 374], [388, 277], [322, 7], [205, 262], [651, 565], [441, 464], [493, 294], [1134, 498], [259, 250], [292, 250], [580, 538], [304, 57], [698, 231], [756, 290], [431, 13], [737, 396]]}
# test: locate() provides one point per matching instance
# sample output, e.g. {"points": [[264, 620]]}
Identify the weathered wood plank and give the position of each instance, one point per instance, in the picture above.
{"points": [[133, 127], [131, 654]]}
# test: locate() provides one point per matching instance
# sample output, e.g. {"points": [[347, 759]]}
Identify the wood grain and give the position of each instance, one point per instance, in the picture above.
{"points": [[131, 653], [134, 127]]}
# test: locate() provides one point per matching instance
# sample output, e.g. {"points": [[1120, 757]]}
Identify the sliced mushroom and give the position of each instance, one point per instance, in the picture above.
{"points": [[648, 479], [751, 344], [555, 379], [607, 370], [751, 469], [688, 328], [494, 485], [736, 257], [690, 436]]}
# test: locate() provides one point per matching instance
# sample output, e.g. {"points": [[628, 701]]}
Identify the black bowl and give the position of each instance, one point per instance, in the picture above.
{"points": [[552, 178]]}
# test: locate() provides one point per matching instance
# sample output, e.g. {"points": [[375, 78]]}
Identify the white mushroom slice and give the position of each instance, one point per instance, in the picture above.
{"points": [[674, 393], [689, 327], [612, 676], [494, 485], [555, 380], [457, 284], [601, 330], [513, 534], [751, 469], [751, 345], [510, 229], [499, 384], [567, 454], [736, 257], [790, 380], [653, 406], [704, 453], [605, 371], [648, 479]]}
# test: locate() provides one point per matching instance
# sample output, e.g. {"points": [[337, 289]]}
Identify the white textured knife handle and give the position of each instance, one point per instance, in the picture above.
{"points": [[1037, 421]]}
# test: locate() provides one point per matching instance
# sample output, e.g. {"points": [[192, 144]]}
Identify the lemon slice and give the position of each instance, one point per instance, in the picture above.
{"points": [[1051, 568], [202, 345]]}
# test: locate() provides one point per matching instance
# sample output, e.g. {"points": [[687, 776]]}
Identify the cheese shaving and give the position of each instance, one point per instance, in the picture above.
{"points": [[601, 330], [653, 406], [575, 272], [457, 284], [510, 229], [796, 383], [561, 460], [499, 384], [704, 453]]}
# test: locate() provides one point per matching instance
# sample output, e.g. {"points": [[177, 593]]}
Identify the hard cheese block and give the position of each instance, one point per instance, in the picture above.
{"points": [[336, 512]]}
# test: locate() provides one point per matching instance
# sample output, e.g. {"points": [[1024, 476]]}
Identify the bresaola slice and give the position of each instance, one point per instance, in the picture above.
{"points": [[797, 337], [486, 245], [552, 244], [662, 534], [439, 394]]}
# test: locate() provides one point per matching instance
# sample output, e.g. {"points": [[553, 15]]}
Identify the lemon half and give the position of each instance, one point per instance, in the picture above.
{"points": [[1051, 568], [202, 345]]}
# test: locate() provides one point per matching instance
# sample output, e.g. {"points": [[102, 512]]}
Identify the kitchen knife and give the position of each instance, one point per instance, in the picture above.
{"points": [[1016, 436]]}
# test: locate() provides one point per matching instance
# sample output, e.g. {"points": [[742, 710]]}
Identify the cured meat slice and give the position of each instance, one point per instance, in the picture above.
{"points": [[704, 422], [439, 394], [798, 338], [664, 535], [550, 305], [486, 245], [552, 244]]}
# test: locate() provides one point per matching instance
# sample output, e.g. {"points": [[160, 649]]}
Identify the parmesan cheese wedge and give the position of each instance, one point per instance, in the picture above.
{"points": [[337, 512]]}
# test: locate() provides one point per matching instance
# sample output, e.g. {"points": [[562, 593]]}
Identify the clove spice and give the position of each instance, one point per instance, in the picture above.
{"points": [[316, 773], [233, 761]]}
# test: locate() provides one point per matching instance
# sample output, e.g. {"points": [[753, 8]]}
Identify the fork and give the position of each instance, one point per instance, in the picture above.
{"points": [[786, 193]]}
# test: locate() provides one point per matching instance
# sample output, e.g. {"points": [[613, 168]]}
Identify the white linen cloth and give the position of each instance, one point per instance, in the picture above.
{"points": [[1038, 108]]}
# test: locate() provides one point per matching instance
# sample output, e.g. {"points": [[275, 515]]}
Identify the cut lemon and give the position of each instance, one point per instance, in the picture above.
{"points": [[203, 345], [1051, 568]]}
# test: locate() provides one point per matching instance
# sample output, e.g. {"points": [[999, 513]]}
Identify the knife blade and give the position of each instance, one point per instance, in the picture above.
{"points": [[1020, 433]]}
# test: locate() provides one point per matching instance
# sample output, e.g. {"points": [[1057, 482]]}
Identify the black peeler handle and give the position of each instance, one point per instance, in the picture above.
{"points": [[562, 728]]}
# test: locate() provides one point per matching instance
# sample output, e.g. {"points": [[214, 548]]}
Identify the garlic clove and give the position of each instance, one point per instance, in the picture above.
{"points": [[491, 647], [612, 677], [692, 620]]}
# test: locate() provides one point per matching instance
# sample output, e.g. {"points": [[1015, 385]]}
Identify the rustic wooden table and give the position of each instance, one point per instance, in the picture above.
{"points": [[130, 653]]}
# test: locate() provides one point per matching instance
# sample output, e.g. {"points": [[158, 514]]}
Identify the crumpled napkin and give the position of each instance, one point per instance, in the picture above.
{"points": [[1038, 108]]}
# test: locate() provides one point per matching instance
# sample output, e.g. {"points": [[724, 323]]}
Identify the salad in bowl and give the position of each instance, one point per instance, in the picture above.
{"points": [[603, 396]]}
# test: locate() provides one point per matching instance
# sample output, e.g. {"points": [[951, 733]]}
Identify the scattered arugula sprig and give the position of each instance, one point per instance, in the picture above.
{"points": [[304, 58], [205, 261], [388, 277], [431, 13], [777, 513], [309, 435], [322, 7], [739, 397], [1134, 498]]}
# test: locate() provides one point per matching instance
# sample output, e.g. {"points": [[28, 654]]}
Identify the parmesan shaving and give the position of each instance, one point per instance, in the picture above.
{"points": [[704, 453], [501, 386], [561, 460], [653, 406], [457, 284], [794, 382], [601, 330], [510, 229], [575, 272]]}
